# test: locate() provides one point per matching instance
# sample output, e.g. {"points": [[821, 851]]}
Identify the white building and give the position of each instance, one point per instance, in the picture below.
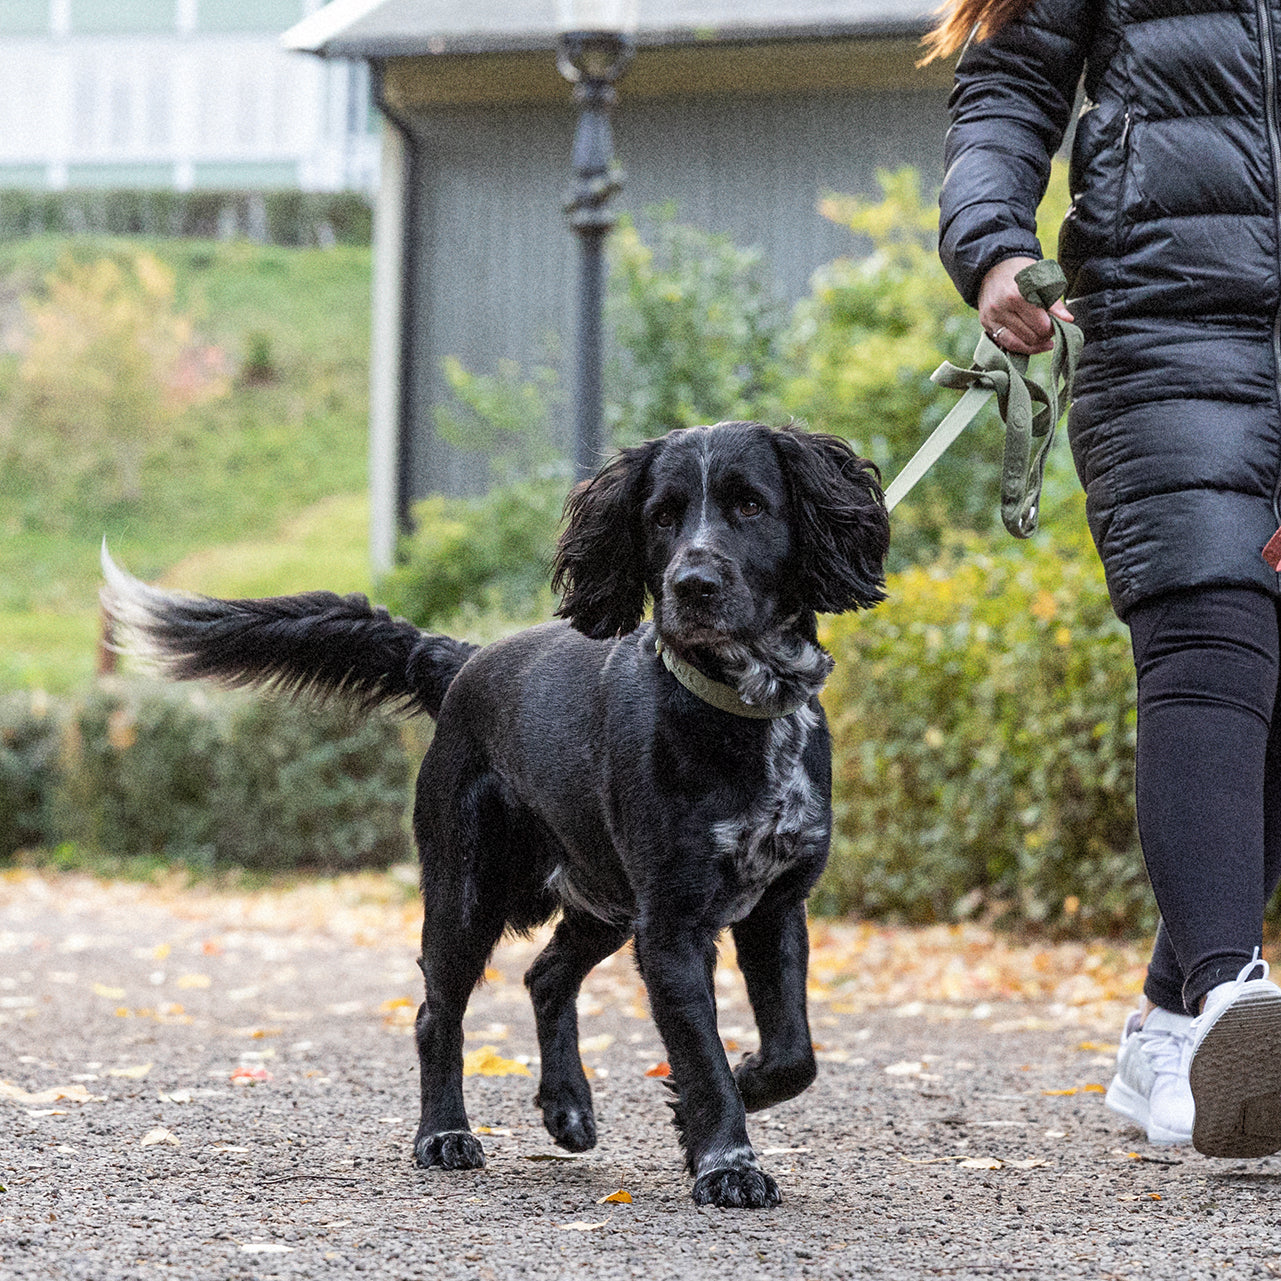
{"points": [[176, 93]]}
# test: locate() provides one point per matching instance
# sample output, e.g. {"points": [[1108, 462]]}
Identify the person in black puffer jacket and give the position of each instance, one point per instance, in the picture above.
{"points": [[1172, 250]]}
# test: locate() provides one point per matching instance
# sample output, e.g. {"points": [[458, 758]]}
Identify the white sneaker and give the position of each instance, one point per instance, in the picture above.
{"points": [[1235, 1071], [1151, 1082]]}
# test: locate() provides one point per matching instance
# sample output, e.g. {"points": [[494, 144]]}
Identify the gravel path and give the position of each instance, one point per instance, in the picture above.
{"points": [[206, 1085]]}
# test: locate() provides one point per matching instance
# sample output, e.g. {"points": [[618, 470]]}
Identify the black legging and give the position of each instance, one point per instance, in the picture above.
{"points": [[1208, 781]]}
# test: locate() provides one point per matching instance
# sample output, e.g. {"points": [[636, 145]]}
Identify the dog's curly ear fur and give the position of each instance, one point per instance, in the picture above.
{"points": [[599, 568], [843, 529]]}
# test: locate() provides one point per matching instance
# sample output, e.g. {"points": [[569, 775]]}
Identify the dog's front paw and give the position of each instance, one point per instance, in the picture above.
{"points": [[734, 1188], [573, 1129], [450, 1150], [762, 1084]]}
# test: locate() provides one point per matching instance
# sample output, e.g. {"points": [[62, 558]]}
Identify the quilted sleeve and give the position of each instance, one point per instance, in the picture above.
{"points": [[1009, 109]]}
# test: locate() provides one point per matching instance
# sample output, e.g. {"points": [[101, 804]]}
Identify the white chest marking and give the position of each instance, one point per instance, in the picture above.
{"points": [[784, 820]]}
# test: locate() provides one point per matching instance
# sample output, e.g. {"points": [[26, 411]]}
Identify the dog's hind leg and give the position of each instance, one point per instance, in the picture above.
{"points": [[773, 955], [580, 942], [463, 918]]}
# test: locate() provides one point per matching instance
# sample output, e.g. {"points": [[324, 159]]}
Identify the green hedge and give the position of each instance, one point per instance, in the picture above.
{"points": [[180, 774], [286, 217], [31, 730], [983, 721]]}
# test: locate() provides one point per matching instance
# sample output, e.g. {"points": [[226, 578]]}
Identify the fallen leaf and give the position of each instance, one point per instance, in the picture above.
{"points": [[905, 1068], [595, 1044], [621, 1197], [660, 1069], [500, 1130], [131, 1073], [159, 1135], [981, 1163], [486, 1061], [1031, 1163], [54, 1094], [928, 1160], [192, 980], [265, 1247], [249, 1076], [582, 1227], [1097, 1047], [1092, 1088], [111, 993]]}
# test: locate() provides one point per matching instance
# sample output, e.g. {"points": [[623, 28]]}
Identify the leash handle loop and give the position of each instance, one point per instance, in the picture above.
{"points": [[1029, 409]]}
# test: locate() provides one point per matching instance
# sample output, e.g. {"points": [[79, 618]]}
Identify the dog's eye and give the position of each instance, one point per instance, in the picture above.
{"points": [[749, 507], [664, 519]]}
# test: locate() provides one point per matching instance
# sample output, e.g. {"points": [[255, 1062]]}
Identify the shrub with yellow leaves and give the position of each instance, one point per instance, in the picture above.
{"points": [[983, 727]]}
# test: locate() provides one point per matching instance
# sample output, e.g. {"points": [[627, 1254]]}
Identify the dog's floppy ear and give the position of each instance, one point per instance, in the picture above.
{"points": [[841, 523], [600, 563]]}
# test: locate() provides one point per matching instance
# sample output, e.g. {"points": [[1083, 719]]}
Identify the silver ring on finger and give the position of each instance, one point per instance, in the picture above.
{"points": [[996, 336]]}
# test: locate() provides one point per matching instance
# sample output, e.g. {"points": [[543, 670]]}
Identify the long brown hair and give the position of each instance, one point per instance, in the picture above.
{"points": [[959, 18]]}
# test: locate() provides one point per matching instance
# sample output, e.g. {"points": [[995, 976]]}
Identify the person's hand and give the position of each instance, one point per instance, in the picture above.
{"points": [[1009, 319]]}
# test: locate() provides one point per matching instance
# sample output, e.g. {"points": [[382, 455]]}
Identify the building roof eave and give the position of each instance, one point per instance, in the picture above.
{"points": [[377, 29]]}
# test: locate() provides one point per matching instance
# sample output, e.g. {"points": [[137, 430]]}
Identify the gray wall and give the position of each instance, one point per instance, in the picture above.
{"points": [[494, 270]]}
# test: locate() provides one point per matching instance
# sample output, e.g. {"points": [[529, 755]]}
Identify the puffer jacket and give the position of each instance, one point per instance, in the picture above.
{"points": [[1171, 252]]}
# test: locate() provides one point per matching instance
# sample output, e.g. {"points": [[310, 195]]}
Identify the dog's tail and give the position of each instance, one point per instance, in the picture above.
{"points": [[317, 645]]}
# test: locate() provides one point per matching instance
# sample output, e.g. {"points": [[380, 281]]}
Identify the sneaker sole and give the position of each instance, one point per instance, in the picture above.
{"points": [[1129, 1103], [1235, 1076]]}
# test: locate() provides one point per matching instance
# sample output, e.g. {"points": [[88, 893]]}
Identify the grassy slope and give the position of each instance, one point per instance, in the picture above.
{"points": [[263, 489]]}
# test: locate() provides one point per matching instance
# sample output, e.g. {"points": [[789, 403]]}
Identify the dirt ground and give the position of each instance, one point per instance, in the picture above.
{"points": [[207, 1084]]}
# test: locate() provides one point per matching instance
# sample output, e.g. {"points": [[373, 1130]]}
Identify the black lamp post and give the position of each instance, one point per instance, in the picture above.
{"points": [[595, 48]]}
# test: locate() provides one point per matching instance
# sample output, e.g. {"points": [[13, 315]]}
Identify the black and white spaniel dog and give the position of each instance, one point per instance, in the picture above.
{"points": [[658, 780]]}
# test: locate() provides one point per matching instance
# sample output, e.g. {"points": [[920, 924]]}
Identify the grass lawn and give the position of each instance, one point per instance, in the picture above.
{"points": [[259, 491]]}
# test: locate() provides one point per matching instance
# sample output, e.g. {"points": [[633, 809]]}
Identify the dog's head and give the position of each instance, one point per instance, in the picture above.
{"points": [[734, 531]]}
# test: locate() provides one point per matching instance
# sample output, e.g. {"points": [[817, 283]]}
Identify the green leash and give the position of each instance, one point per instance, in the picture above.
{"points": [[1029, 410]]}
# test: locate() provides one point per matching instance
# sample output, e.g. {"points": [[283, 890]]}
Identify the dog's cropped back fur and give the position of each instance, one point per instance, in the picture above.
{"points": [[663, 779]]}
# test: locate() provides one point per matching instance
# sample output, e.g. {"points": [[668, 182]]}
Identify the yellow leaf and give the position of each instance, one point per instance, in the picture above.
{"points": [[621, 1197], [596, 1044], [486, 1061], [193, 980], [1097, 1047], [111, 993]]}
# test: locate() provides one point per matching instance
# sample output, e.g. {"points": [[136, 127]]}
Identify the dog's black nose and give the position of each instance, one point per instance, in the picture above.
{"points": [[695, 582]]}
